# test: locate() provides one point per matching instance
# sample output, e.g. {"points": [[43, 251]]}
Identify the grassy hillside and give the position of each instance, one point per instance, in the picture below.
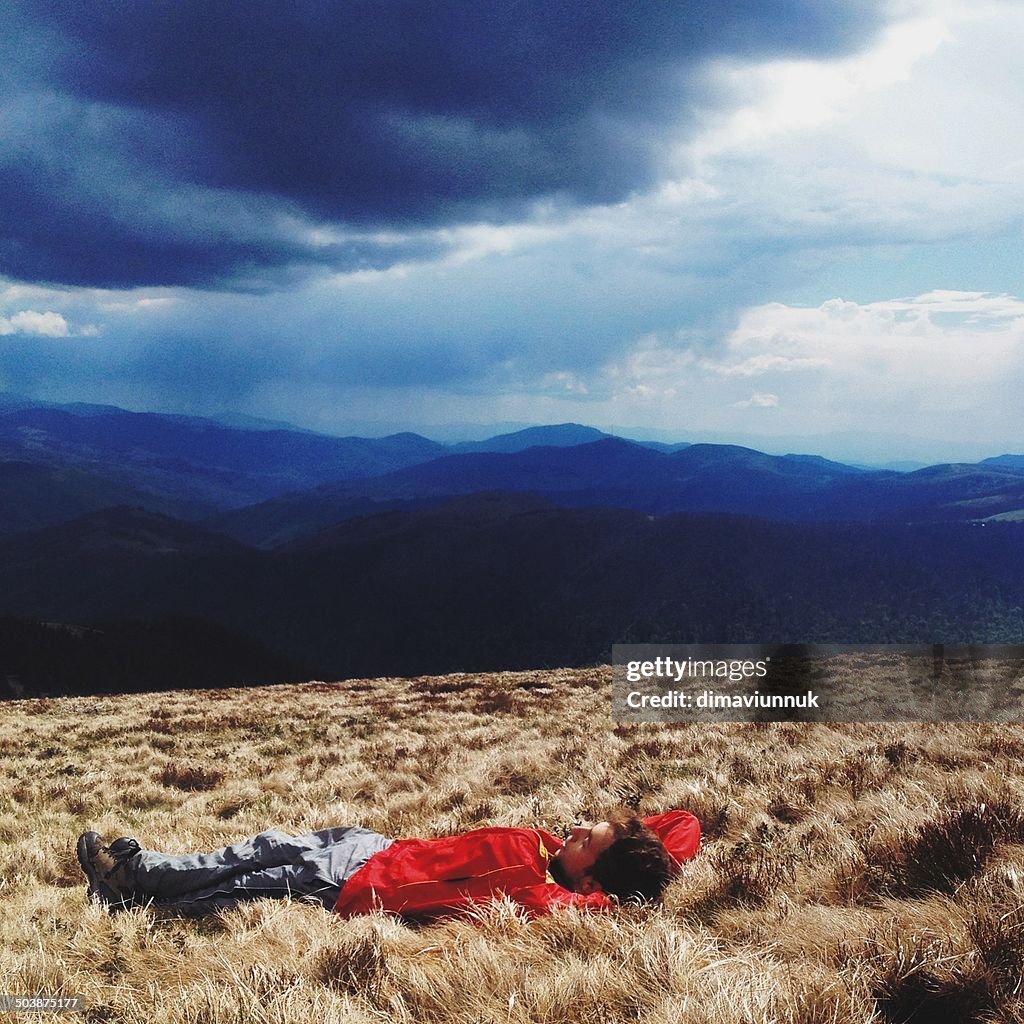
{"points": [[850, 873]]}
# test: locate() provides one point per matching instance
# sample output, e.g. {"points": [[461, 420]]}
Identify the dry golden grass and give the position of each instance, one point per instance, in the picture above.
{"points": [[850, 873]]}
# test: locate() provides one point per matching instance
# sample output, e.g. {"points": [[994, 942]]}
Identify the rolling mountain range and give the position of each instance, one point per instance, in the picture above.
{"points": [[197, 461], [620, 474], [273, 486], [355, 556]]}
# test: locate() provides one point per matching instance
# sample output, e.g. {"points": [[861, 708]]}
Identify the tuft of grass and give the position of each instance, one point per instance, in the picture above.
{"points": [[947, 850], [191, 777], [919, 985]]}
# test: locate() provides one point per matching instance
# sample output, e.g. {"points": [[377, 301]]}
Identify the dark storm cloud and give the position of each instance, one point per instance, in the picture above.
{"points": [[396, 113]]}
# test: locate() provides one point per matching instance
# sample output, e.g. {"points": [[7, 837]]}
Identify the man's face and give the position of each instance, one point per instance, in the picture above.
{"points": [[584, 845]]}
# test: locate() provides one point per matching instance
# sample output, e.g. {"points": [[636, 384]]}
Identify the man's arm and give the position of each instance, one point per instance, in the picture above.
{"points": [[679, 831], [547, 896]]}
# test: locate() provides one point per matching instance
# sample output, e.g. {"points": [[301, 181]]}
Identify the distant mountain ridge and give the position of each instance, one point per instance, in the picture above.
{"points": [[559, 435], [614, 473], [196, 461], [273, 486], [1014, 463]]}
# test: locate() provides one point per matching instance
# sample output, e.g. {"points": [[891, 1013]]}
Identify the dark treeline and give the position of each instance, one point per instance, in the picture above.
{"points": [[47, 659], [491, 582]]}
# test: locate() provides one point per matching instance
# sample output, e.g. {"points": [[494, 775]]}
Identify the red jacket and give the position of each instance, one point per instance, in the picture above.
{"points": [[428, 877]]}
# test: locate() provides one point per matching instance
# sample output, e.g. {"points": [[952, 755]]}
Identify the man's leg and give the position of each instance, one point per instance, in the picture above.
{"points": [[269, 864]]}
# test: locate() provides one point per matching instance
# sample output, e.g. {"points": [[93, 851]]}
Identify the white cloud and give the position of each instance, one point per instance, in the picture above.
{"points": [[127, 303], [912, 142], [957, 113], [778, 97], [924, 362], [652, 369], [755, 366], [30, 322], [948, 338], [564, 382], [973, 307], [943, 364], [758, 400]]}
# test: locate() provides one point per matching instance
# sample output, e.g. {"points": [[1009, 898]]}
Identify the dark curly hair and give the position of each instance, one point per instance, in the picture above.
{"points": [[636, 866]]}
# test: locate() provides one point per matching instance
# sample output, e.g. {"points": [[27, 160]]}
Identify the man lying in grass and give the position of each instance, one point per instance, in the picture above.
{"points": [[352, 870]]}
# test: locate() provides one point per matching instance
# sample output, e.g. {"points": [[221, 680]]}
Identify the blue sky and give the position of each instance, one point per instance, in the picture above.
{"points": [[790, 225]]}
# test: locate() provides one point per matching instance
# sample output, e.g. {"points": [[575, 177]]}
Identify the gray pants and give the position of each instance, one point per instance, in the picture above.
{"points": [[271, 864]]}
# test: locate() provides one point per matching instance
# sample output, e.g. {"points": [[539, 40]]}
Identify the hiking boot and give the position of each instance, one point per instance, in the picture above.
{"points": [[108, 869]]}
